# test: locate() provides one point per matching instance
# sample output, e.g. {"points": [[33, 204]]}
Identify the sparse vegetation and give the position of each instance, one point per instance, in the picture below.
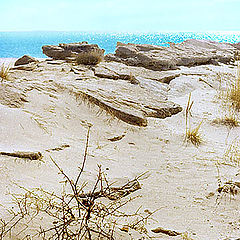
{"points": [[191, 135], [232, 154], [89, 58], [4, 72], [185, 236], [75, 213], [230, 121], [230, 98], [230, 188], [233, 92], [194, 136]]}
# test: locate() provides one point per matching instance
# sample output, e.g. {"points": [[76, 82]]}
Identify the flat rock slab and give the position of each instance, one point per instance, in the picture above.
{"points": [[129, 103], [116, 70], [188, 53]]}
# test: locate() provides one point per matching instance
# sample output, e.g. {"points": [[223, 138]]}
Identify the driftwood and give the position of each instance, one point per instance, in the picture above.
{"points": [[117, 138], [114, 193], [29, 155], [62, 147], [165, 231]]}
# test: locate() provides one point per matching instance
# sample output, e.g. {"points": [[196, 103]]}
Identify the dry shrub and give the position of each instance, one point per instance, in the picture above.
{"points": [[191, 135], [75, 213], [89, 58], [4, 72]]}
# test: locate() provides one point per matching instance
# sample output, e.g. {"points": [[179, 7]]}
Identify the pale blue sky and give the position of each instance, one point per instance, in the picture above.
{"points": [[120, 15]]}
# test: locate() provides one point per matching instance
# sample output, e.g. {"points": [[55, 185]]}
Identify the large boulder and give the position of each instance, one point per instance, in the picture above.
{"points": [[25, 60], [68, 50], [191, 52]]}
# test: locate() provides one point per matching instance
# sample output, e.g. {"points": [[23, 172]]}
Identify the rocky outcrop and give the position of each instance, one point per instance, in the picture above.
{"points": [[188, 53], [25, 60], [130, 103], [65, 51], [131, 94]]}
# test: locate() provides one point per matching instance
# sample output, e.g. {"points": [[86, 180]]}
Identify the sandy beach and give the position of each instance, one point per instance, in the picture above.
{"points": [[180, 180]]}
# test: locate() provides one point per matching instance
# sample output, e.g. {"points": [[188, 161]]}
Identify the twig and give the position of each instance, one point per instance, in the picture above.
{"points": [[84, 158]]}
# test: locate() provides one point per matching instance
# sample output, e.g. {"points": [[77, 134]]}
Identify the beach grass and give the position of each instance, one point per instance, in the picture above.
{"points": [[194, 136], [191, 135], [233, 92], [4, 72], [230, 120], [232, 153]]}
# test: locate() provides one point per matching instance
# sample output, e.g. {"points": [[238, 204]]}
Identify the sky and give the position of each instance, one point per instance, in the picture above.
{"points": [[120, 15]]}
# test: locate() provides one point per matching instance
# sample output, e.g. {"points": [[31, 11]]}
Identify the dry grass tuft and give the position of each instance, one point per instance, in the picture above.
{"points": [[191, 135], [230, 188], [230, 121], [232, 154], [233, 92], [185, 236], [4, 72], [89, 58]]}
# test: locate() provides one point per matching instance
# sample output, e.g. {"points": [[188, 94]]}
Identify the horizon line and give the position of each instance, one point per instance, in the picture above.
{"points": [[129, 32]]}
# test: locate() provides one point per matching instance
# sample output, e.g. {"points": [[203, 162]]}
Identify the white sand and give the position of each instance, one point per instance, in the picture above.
{"points": [[180, 176]]}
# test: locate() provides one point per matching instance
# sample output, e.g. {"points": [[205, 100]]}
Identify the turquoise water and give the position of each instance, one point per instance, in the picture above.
{"points": [[16, 44]]}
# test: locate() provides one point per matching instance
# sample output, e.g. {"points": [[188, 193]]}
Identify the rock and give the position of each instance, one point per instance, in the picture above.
{"points": [[188, 53], [104, 72], [55, 52], [25, 60], [27, 67], [116, 70], [109, 87], [131, 94], [129, 103], [64, 51]]}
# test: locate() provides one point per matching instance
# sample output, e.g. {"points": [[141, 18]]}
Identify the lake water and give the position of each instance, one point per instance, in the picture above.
{"points": [[17, 44]]}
